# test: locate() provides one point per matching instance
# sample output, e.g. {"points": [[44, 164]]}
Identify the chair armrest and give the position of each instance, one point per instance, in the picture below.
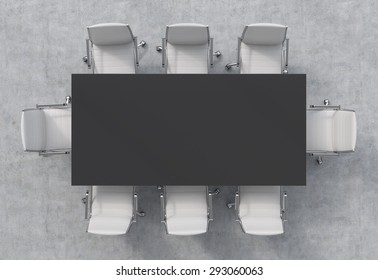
{"points": [[320, 154], [237, 203], [331, 107], [237, 63], [163, 217], [286, 53], [135, 206], [64, 105], [211, 53], [87, 200], [210, 206], [136, 51], [88, 59], [163, 52], [283, 210], [54, 152]]}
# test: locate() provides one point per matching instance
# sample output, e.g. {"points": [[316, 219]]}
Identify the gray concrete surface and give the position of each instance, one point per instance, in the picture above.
{"points": [[333, 217]]}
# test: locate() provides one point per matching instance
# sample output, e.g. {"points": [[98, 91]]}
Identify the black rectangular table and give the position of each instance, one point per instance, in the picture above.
{"points": [[188, 129]]}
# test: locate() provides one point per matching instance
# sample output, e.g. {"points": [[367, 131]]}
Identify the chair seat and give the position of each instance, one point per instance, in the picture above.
{"points": [[112, 209], [109, 225], [260, 59], [114, 59], [331, 131], [260, 210], [191, 225], [262, 225], [186, 210], [187, 59], [46, 129]]}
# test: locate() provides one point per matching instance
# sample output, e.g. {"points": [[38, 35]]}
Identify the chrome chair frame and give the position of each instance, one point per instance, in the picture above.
{"points": [[236, 206], [285, 50], [163, 202], [88, 201], [163, 50], [326, 106], [88, 59], [64, 105]]}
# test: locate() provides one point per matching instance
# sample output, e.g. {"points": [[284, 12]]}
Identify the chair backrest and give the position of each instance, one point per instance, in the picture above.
{"points": [[261, 48], [113, 48], [187, 48], [260, 210], [112, 210], [331, 131], [46, 129], [186, 210]]}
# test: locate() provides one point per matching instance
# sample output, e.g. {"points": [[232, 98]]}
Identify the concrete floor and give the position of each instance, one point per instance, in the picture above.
{"points": [[334, 217]]}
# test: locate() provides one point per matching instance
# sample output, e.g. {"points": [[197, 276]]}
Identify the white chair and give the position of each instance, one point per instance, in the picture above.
{"points": [[187, 49], [186, 210], [112, 49], [262, 49], [46, 129], [261, 210], [111, 209], [330, 130]]}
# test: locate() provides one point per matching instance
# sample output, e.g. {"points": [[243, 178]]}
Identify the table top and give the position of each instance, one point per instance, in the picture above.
{"points": [[217, 130]]}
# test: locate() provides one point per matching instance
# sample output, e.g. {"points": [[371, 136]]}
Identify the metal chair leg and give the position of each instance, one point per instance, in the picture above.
{"points": [[215, 192], [140, 213], [319, 160], [217, 54], [231, 205], [142, 44]]}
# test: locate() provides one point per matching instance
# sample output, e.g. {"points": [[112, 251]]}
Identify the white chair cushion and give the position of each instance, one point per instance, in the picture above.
{"points": [[116, 59], [33, 130], [259, 59], [319, 131], [110, 34], [264, 34], [186, 210], [187, 59], [260, 210], [58, 128], [345, 131], [112, 209], [331, 131], [46, 129], [187, 34]]}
